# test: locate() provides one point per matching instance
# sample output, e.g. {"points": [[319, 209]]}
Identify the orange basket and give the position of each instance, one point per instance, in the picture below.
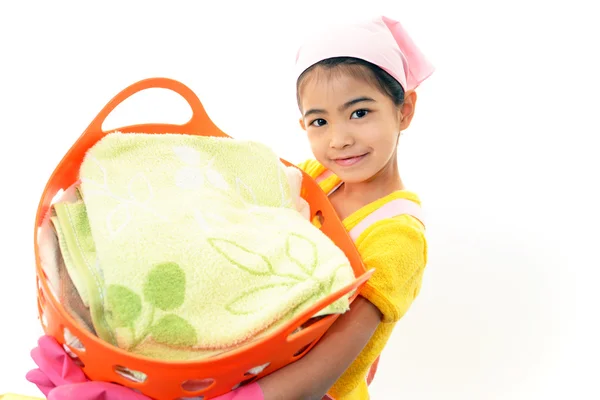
{"points": [[207, 378]]}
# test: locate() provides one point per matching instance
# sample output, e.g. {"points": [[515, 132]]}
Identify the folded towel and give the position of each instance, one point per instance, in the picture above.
{"points": [[55, 268], [185, 246], [53, 263]]}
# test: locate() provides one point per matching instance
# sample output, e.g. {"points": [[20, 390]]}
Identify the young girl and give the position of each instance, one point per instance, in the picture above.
{"points": [[356, 94], [355, 91]]}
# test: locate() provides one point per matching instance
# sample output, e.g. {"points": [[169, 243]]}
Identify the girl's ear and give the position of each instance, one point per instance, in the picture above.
{"points": [[407, 110], [302, 125]]}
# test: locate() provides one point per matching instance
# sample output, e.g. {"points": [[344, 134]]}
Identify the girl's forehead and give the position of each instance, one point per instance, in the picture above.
{"points": [[334, 86]]}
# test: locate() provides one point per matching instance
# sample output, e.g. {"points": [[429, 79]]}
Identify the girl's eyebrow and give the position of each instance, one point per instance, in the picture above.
{"points": [[343, 107], [314, 111], [352, 102]]}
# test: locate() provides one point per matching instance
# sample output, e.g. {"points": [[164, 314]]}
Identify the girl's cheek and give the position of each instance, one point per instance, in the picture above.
{"points": [[315, 147]]}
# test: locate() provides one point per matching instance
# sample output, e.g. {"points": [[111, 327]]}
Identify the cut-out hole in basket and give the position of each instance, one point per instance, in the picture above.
{"points": [[302, 350], [72, 341], [244, 383], [153, 105], [73, 356], [129, 374], [308, 323], [197, 385], [318, 219], [257, 370]]}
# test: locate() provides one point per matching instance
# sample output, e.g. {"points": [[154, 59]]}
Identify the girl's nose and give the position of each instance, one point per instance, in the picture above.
{"points": [[340, 138]]}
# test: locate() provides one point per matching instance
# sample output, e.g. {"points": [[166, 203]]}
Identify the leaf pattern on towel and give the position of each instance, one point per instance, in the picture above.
{"points": [[118, 218], [241, 257], [163, 289], [302, 256], [140, 189], [208, 220], [189, 178], [124, 305], [253, 300], [216, 179], [188, 155], [298, 248], [165, 286], [173, 330], [245, 191], [198, 170]]}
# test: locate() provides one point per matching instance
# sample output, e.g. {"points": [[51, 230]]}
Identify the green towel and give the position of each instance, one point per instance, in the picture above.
{"points": [[185, 246]]}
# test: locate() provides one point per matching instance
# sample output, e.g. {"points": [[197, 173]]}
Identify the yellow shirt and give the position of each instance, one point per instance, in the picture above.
{"points": [[397, 249]]}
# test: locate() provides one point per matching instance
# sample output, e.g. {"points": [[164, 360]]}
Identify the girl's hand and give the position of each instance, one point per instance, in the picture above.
{"points": [[60, 378]]}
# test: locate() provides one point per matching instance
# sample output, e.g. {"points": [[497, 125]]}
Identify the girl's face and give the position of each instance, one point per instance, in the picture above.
{"points": [[352, 126]]}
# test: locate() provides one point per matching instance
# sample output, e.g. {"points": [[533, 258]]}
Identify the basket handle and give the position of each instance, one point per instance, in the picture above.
{"points": [[67, 169], [199, 116]]}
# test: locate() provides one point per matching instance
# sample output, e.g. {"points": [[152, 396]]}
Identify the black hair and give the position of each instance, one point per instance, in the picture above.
{"points": [[360, 69]]}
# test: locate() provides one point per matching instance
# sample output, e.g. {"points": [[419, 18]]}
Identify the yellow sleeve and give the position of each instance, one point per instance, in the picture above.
{"points": [[397, 249]]}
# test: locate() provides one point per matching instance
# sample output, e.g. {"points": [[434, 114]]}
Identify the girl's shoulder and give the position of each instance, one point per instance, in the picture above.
{"points": [[396, 212]]}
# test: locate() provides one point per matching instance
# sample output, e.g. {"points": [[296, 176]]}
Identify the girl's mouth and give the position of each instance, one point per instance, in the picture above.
{"points": [[349, 161]]}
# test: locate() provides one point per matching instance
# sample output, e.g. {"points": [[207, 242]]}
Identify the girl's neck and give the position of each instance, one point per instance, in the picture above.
{"points": [[382, 184]]}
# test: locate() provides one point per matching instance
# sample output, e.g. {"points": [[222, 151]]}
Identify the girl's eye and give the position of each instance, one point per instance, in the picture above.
{"points": [[359, 113], [318, 122]]}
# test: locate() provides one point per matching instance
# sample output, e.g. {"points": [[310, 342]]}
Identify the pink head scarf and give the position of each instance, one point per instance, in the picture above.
{"points": [[380, 41]]}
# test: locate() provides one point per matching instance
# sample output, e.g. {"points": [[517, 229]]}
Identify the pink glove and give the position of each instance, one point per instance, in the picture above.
{"points": [[60, 378], [55, 367]]}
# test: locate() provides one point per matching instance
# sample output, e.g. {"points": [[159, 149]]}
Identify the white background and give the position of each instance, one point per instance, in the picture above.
{"points": [[503, 151]]}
